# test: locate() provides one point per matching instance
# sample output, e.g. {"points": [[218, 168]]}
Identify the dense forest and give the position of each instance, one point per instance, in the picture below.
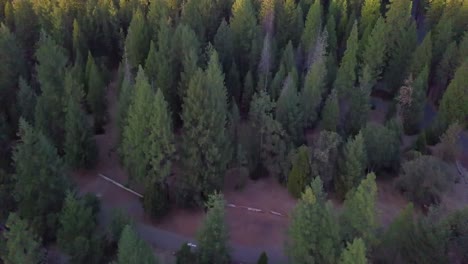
{"points": [[277, 88]]}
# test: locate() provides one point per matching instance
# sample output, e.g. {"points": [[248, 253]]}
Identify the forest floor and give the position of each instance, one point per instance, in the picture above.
{"points": [[251, 232]]}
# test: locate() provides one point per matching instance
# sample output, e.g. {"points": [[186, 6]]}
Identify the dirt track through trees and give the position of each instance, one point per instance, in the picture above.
{"points": [[251, 232]]}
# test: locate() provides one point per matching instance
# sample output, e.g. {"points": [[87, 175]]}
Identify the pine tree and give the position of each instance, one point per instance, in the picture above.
{"points": [[358, 217], [165, 64], [125, 99], [26, 26], [331, 113], [400, 36], [313, 27], [76, 229], [40, 182], [422, 56], [274, 142], [96, 97], [223, 43], [412, 101], [289, 112], [79, 147], [242, 23], [9, 17], [370, 13], [352, 165], [137, 41], [160, 154], [134, 145], [373, 56], [213, 235], [290, 23], [442, 35], [454, 104], [205, 115], [355, 253], [314, 231], [346, 75], [446, 68], [151, 65], [300, 172], [22, 245], [12, 65], [78, 41], [133, 250], [186, 48], [49, 115], [26, 99], [247, 92], [314, 87]]}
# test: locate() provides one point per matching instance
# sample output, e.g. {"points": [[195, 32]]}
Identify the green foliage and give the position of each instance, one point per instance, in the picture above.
{"points": [[314, 231], [213, 235], [49, 114], [263, 259], [119, 220], [370, 14], [382, 146], [352, 165], [223, 43], [274, 142], [289, 23], [314, 87], [137, 41], [289, 113], [165, 79], [324, 157], [331, 113], [7, 185], [400, 36], [447, 66], [79, 146], [313, 27], [422, 56], [359, 214], [412, 101], [40, 182], [26, 99], [425, 179], [449, 147], [151, 64], [185, 255], [26, 25], [156, 199], [133, 250], [373, 55], [248, 92], [413, 241], [125, 100], [134, 146], [160, 148], [22, 245], [96, 97], [242, 23], [355, 253], [78, 41], [12, 64], [346, 76], [300, 173], [204, 115], [77, 226], [456, 223], [454, 104]]}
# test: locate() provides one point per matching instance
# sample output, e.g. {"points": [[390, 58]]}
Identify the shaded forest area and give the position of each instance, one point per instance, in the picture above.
{"points": [[205, 86]]}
